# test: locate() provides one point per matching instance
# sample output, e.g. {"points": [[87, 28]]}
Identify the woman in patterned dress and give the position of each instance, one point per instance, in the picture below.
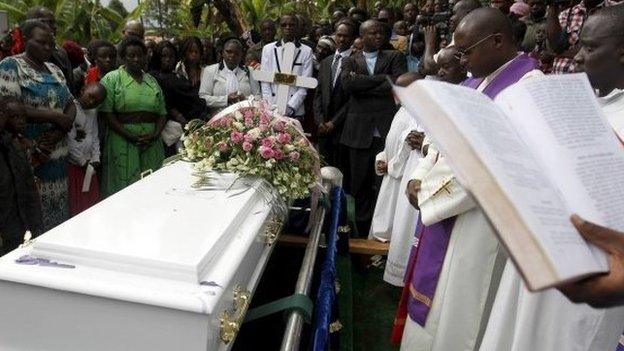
{"points": [[50, 111], [135, 113]]}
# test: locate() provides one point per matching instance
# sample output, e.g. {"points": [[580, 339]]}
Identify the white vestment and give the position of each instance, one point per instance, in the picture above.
{"points": [[472, 266], [547, 320], [395, 154], [404, 223]]}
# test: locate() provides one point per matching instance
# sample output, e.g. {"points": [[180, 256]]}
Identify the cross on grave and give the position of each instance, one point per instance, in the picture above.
{"points": [[285, 79]]}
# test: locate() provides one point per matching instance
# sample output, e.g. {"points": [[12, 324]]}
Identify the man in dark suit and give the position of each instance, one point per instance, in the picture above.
{"points": [[330, 99], [370, 110]]}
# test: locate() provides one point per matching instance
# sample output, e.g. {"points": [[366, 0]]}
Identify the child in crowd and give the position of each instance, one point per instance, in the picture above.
{"points": [[84, 150], [20, 204]]}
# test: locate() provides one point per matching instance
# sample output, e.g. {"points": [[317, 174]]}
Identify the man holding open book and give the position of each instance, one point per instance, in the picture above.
{"points": [[458, 263], [522, 320], [537, 153]]}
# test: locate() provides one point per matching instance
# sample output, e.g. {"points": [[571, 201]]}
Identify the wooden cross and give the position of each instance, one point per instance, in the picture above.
{"points": [[285, 79]]}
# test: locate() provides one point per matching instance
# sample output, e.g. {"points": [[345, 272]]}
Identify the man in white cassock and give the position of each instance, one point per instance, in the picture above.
{"points": [[547, 320], [390, 163], [454, 274]]}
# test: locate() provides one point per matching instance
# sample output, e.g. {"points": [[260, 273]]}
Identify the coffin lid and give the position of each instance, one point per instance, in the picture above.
{"points": [[158, 227]]}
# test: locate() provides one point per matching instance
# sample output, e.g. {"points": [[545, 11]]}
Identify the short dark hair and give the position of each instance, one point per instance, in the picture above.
{"points": [[267, 20], [96, 44], [353, 28], [233, 39], [29, 26], [154, 64], [131, 41]]}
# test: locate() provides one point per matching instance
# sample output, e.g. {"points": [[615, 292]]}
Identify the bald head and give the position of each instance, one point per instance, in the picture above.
{"points": [[408, 78], [372, 34], [486, 21], [602, 49], [133, 28], [485, 41], [461, 9], [368, 25]]}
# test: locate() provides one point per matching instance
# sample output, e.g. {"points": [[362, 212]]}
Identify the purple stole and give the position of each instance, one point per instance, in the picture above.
{"points": [[429, 256]]}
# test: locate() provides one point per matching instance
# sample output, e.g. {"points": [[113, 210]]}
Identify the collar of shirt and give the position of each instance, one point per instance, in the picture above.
{"points": [[127, 79], [370, 55], [345, 53], [226, 69], [494, 74]]}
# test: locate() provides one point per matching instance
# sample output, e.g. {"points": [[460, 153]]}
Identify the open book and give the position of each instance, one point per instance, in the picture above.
{"points": [[537, 154]]}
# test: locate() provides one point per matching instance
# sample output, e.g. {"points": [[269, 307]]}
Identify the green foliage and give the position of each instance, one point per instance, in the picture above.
{"points": [[78, 20]]}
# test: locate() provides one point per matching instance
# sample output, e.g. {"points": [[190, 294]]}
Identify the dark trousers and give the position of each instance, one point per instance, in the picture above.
{"points": [[364, 183], [336, 155]]}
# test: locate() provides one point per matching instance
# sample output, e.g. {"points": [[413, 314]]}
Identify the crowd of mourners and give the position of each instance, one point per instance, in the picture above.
{"points": [[81, 121]]}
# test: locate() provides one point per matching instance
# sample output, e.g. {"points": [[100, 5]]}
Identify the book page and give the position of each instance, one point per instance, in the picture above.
{"points": [[586, 161], [515, 169]]}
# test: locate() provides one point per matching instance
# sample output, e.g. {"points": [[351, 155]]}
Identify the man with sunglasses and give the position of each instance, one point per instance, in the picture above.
{"points": [[459, 261], [272, 61], [547, 320]]}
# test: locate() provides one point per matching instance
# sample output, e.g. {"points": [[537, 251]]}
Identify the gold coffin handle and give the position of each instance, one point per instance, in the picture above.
{"points": [[231, 321], [272, 231]]}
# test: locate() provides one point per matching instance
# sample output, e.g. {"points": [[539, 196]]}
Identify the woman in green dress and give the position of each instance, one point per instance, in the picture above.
{"points": [[135, 113]]}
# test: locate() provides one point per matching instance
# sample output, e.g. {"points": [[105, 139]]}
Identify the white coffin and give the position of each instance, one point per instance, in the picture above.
{"points": [[139, 259]]}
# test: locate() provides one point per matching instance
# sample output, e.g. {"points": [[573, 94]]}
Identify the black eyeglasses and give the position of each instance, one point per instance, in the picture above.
{"points": [[461, 53]]}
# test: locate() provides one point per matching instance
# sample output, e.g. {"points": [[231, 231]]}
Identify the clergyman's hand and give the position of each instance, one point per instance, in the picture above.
{"points": [[604, 290], [415, 140], [382, 167], [413, 187]]}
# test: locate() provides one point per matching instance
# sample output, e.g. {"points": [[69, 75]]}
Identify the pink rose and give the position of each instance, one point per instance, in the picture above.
{"points": [[223, 147], [278, 154], [294, 156], [263, 127], [248, 114], [236, 137], [249, 121], [283, 138], [264, 119], [265, 152], [279, 126], [302, 142], [267, 142], [247, 146], [248, 138]]}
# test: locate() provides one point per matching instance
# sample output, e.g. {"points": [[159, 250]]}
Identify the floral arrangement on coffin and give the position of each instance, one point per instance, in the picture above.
{"points": [[251, 140]]}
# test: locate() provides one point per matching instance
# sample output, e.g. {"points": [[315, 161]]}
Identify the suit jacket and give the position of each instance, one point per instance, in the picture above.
{"points": [[213, 87], [271, 62], [330, 102], [371, 104]]}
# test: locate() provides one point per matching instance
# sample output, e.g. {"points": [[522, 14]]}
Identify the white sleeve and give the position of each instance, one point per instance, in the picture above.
{"points": [[92, 129], [298, 97], [267, 66], [206, 88]]}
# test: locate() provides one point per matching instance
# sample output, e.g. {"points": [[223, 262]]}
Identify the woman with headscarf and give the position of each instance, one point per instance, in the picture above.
{"points": [[135, 113], [229, 81], [41, 87]]}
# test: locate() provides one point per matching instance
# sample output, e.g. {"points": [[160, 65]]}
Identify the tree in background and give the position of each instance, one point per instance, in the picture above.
{"points": [[78, 20]]}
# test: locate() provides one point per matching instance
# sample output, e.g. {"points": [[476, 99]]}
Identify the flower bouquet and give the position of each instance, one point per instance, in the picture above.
{"points": [[252, 141]]}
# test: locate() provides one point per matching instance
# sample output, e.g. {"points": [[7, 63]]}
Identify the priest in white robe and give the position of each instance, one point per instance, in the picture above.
{"points": [[405, 216], [390, 163], [522, 320], [456, 269]]}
